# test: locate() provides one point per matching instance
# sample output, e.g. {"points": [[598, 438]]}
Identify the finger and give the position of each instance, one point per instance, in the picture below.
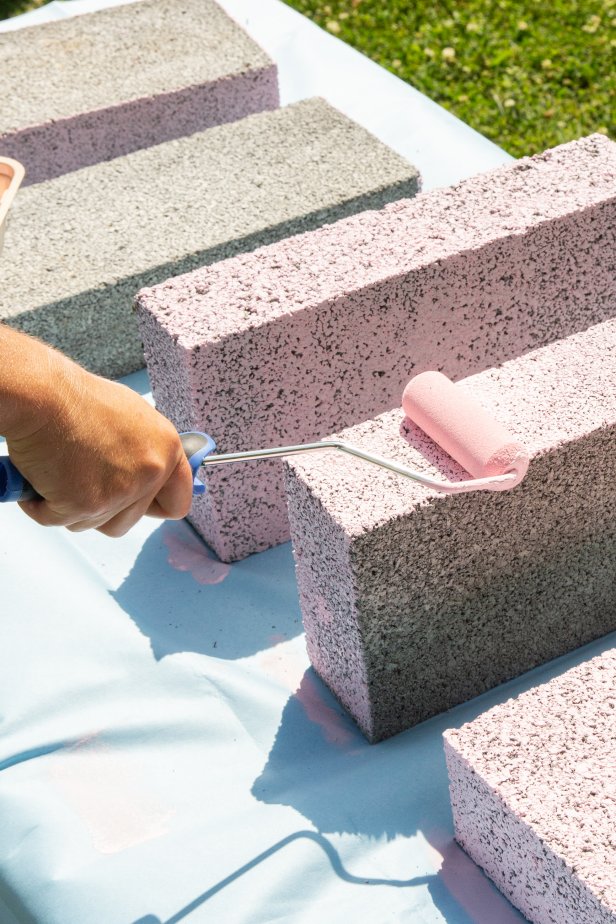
{"points": [[91, 523], [173, 500], [156, 511], [44, 515], [120, 524]]}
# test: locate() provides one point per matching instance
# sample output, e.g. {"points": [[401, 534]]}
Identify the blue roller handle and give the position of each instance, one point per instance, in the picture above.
{"points": [[14, 487], [197, 446]]}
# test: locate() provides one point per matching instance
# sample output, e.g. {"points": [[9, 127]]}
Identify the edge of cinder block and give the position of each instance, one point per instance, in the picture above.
{"points": [[431, 238], [72, 298], [346, 679], [500, 819], [62, 143]]}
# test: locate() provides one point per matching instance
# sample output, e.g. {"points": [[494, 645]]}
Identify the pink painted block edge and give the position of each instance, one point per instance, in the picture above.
{"points": [[54, 148], [534, 796]]}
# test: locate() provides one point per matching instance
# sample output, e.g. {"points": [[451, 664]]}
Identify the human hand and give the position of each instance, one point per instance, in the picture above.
{"points": [[96, 452]]}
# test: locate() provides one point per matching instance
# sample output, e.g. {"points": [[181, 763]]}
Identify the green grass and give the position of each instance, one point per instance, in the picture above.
{"points": [[13, 7], [527, 75]]}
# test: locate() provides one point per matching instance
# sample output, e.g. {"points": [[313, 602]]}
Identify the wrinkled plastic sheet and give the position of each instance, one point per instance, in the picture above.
{"points": [[166, 752]]}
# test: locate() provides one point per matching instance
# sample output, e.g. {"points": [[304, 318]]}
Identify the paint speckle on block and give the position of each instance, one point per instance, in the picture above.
{"points": [[316, 332], [91, 238], [414, 601], [533, 792], [104, 84]]}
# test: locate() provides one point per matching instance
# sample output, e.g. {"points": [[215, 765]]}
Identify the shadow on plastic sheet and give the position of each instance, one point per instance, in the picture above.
{"points": [[184, 599], [397, 788], [495, 909], [321, 765]]}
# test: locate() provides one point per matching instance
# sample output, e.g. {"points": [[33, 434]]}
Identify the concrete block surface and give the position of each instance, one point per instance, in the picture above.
{"points": [[88, 88], [414, 601], [533, 792], [79, 247], [317, 332]]}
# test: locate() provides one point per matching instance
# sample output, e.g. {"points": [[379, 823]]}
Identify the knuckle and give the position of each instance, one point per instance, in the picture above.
{"points": [[153, 467]]}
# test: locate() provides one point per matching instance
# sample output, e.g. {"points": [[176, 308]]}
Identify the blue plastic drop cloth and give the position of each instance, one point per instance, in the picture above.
{"points": [[166, 752]]}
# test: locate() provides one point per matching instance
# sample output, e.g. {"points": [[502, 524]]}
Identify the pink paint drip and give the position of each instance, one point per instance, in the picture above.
{"points": [[188, 553], [286, 667], [332, 722], [467, 883]]}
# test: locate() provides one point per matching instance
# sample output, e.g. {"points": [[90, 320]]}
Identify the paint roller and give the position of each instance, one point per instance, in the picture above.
{"points": [[452, 419]]}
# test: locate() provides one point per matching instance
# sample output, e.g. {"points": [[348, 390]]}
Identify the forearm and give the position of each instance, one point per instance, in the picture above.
{"points": [[35, 380]]}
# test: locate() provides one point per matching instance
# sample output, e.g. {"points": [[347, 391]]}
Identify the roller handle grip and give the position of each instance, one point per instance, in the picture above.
{"points": [[14, 487], [197, 446]]}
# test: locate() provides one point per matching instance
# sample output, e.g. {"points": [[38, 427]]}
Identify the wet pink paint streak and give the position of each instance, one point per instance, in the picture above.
{"points": [[286, 667], [188, 553]]}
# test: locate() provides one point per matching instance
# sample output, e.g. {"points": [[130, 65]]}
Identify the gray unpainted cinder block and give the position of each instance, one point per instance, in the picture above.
{"points": [[414, 601], [533, 793], [85, 89], [80, 246], [320, 331]]}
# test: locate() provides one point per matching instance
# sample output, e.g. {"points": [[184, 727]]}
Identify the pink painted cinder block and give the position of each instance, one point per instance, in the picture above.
{"points": [[97, 86], [414, 601], [533, 792], [319, 331]]}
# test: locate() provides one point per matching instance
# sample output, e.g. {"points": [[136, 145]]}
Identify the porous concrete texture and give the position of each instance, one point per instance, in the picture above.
{"points": [[533, 792], [323, 330], [414, 601], [85, 89], [80, 246]]}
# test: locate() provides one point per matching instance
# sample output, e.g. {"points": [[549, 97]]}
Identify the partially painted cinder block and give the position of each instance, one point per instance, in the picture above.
{"points": [[320, 331], [85, 89], [533, 792], [414, 601], [82, 245]]}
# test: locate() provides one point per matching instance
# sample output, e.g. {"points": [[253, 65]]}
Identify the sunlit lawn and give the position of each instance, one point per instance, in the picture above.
{"points": [[13, 7], [527, 75]]}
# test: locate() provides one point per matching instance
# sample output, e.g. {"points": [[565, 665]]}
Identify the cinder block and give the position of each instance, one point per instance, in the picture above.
{"points": [[315, 333], [80, 246], [85, 89], [414, 601], [533, 792]]}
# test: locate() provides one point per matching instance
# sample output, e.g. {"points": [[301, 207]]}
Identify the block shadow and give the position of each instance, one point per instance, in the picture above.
{"points": [[460, 891], [396, 788], [202, 605]]}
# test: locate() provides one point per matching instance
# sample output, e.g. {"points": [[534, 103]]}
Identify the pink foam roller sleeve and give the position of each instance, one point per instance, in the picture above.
{"points": [[463, 428]]}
